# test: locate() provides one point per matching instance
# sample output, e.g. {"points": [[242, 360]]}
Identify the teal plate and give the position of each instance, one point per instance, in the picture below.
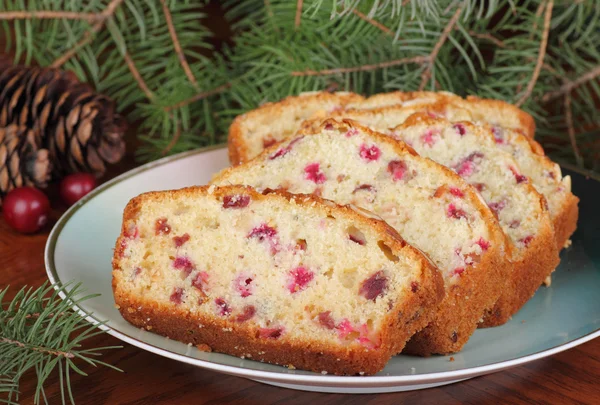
{"points": [[557, 318]]}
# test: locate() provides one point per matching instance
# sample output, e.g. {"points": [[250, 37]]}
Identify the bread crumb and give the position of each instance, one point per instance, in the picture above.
{"points": [[548, 281], [189, 345], [204, 348], [149, 328], [361, 373], [291, 367], [227, 329], [324, 372], [451, 358], [568, 243], [200, 326]]}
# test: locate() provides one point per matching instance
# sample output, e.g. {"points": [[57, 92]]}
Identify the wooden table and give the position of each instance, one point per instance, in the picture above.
{"points": [[569, 377]]}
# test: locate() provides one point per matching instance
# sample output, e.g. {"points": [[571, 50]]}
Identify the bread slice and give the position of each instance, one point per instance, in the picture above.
{"points": [[521, 210], [430, 206], [253, 275], [545, 175], [252, 132], [493, 112]]}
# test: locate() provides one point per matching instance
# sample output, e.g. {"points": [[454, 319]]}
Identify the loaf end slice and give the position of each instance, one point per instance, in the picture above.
{"points": [[256, 130], [290, 280]]}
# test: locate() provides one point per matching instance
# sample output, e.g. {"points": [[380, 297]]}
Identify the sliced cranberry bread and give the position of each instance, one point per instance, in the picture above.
{"points": [[253, 275], [252, 132], [494, 112], [430, 206], [521, 210], [545, 175]]}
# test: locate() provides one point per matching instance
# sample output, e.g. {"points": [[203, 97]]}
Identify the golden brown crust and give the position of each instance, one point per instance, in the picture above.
{"points": [[238, 146], [526, 121], [482, 285], [226, 336], [566, 222], [529, 273]]}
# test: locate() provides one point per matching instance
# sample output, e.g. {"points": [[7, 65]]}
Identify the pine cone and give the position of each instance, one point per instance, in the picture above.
{"points": [[21, 162], [79, 127]]}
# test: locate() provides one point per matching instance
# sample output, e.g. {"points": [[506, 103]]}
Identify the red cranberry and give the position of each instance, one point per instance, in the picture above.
{"points": [[458, 271], [515, 224], [344, 328], [177, 295], [460, 128], [247, 313], [414, 286], [526, 240], [299, 279], [454, 212], [484, 244], [161, 227], [262, 232], [270, 333], [26, 209], [397, 169], [137, 271], [374, 286], [236, 201], [243, 285], [456, 192], [184, 263], [313, 173], [351, 132], [284, 151], [466, 167], [430, 137], [519, 177], [180, 240], [75, 186], [326, 320], [222, 306], [496, 207], [369, 153], [200, 281]]}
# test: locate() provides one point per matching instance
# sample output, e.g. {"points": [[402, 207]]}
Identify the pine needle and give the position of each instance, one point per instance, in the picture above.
{"points": [[39, 331]]}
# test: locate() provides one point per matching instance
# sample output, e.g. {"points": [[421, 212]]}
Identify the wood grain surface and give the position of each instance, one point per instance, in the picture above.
{"points": [[569, 377]]}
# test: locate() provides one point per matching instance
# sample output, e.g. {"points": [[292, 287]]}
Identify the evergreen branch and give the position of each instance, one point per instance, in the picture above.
{"points": [[89, 35], [426, 75], [40, 332], [41, 15], [137, 76], [373, 22], [46, 350], [541, 55], [298, 13], [571, 129], [363, 68], [173, 141], [198, 97], [570, 85], [182, 59], [488, 37]]}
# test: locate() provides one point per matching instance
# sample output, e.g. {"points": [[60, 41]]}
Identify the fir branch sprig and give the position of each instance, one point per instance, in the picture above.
{"points": [[39, 331], [155, 58]]}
